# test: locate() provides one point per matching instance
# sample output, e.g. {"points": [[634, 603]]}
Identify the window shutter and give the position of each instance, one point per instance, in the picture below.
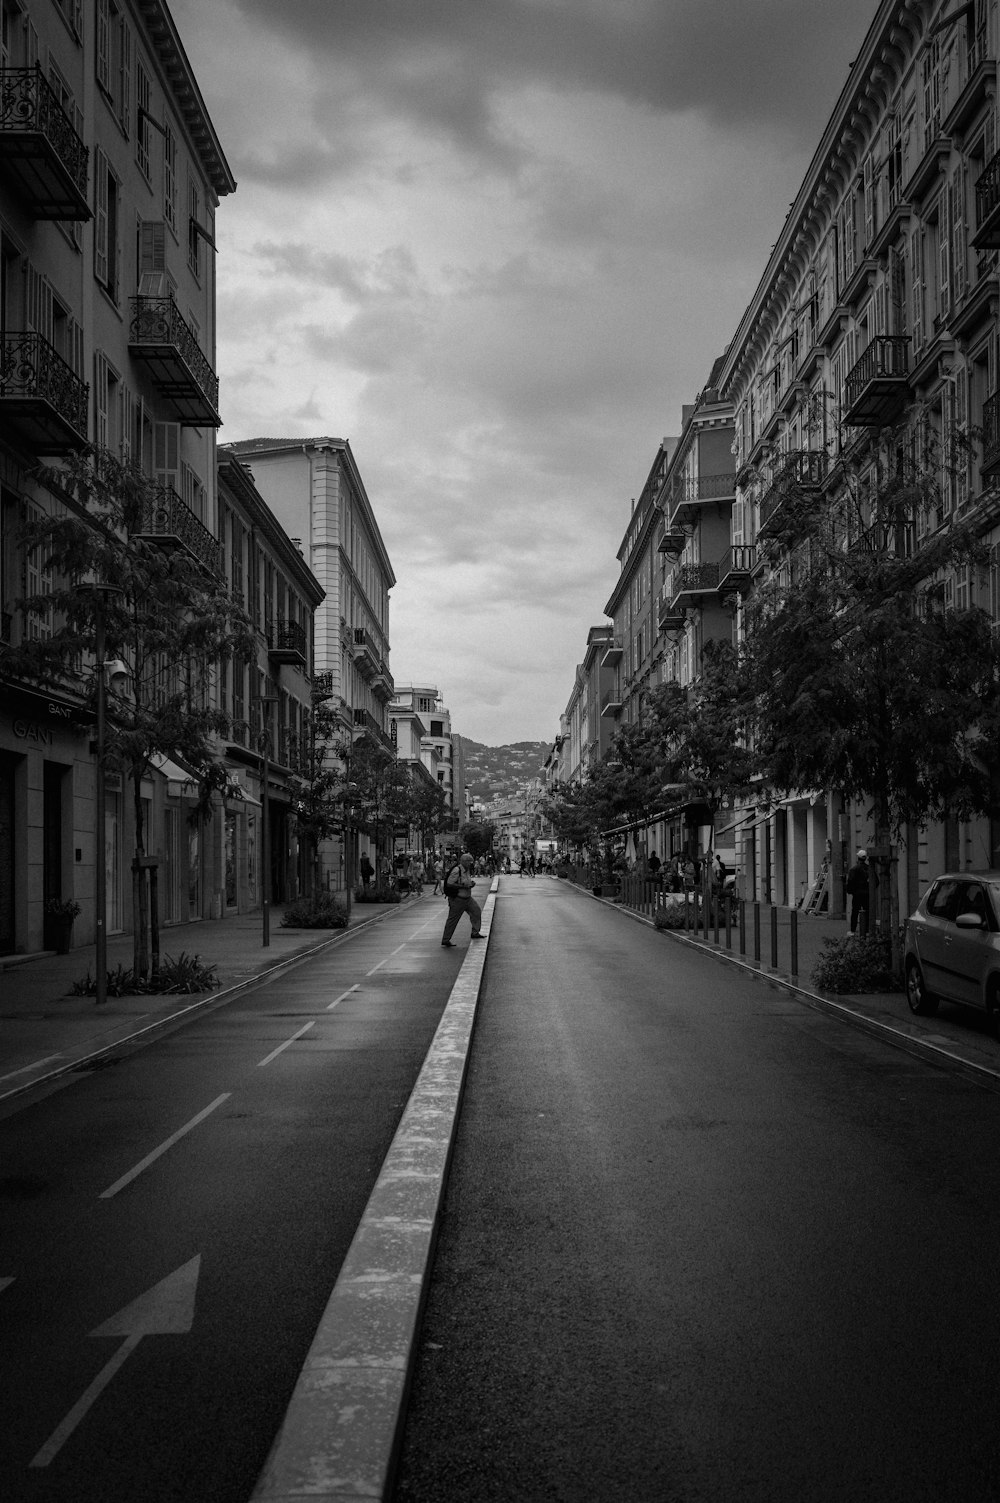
{"points": [[961, 457], [103, 46], [100, 216], [958, 246], [166, 454], [917, 287], [100, 399]]}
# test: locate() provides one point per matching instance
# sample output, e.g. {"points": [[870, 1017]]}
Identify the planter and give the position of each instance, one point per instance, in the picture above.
{"points": [[609, 889], [58, 934]]}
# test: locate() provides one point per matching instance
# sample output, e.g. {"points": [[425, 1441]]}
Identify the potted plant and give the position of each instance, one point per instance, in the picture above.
{"points": [[59, 916]]}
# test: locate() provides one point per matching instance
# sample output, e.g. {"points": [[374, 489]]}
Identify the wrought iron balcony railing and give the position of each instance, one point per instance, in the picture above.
{"points": [[41, 397], [987, 235], [41, 153], [286, 642], [168, 519], [796, 476], [877, 385], [736, 566], [160, 336], [990, 462]]}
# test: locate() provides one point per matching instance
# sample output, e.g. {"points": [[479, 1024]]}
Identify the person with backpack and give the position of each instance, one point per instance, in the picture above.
{"points": [[458, 885]]}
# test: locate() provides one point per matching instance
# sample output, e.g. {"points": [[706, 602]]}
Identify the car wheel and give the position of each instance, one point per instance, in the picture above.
{"points": [[919, 998]]}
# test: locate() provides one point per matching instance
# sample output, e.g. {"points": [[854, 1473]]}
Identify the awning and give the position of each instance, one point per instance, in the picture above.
{"points": [[180, 782]]}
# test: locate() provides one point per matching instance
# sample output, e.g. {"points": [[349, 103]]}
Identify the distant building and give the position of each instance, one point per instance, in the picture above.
{"points": [[315, 490], [420, 706]]}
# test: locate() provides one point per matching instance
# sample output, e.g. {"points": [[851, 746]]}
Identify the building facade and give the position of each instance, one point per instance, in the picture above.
{"points": [[110, 176], [878, 307]]}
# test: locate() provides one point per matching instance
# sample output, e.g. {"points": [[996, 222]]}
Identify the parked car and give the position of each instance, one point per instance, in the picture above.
{"points": [[952, 945]]}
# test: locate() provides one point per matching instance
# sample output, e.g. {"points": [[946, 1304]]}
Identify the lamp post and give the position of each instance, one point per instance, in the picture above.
{"points": [[265, 702], [100, 594]]}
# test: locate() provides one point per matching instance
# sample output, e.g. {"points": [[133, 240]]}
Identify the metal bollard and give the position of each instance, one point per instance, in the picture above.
{"points": [[716, 900], [729, 923], [743, 926], [756, 932], [774, 938], [794, 938]]}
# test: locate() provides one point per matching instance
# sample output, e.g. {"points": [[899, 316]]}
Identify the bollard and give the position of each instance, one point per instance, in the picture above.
{"points": [[756, 932], [794, 939], [716, 900], [774, 938], [729, 924], [743, 925]]}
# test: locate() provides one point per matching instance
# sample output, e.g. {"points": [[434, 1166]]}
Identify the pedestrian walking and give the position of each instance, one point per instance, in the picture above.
{"points": [[366, 869], [458, 885], [438, 874], [858, 889]]}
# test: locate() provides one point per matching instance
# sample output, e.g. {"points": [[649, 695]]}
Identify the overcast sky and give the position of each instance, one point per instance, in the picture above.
{"points": [[497, 244]]}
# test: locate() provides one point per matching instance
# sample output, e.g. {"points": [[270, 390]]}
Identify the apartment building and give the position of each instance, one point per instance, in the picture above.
{"points": [[111, 173], [315, 490], [877, 307], [420, 705], [268, 702], [633, 652]]}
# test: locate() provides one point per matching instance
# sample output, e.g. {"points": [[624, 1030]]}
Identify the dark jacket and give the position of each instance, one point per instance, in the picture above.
{"points": [[857, 879]]}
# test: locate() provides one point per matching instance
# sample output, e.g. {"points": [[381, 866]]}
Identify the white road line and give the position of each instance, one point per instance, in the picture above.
{"points": [[62, 1432], [421, 929], [337, 1000], [6, 1283], [275, 1052], [25, 1068], [387, 958], [151, 1158]]}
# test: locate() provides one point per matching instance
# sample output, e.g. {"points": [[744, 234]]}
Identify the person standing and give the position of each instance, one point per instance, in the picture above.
{"points": [[366, 869], [458, 885], [858, 889]]}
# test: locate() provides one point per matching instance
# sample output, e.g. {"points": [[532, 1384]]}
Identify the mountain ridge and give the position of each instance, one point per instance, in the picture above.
{"points": [[499, 771]]}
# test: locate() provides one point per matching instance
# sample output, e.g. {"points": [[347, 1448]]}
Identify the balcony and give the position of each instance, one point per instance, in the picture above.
{"points": [[694, 581], [367, 659], [286, 643], [671, 539], [167, 520], [689, 496], [365, 721], [42, 159], [990, 463], [383, 684], [796, 479], [322, 686], [612, 706], [612, 655], [669, 615], [159, 336], [736, 568], [987, 236], [43, 402], [877, 386]]}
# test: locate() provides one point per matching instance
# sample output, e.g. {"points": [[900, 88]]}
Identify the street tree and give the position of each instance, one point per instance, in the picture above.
{"points": [[380, 790], [477, 837], [863, 671], [170, 620]]}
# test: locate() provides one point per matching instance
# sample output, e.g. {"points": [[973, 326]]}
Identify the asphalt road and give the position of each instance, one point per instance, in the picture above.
{"points": [[701, 1243], [173, 1224]]}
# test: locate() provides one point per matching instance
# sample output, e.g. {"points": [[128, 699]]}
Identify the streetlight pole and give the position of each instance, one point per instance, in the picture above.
{"points": [[265, 702], [100, 593]]}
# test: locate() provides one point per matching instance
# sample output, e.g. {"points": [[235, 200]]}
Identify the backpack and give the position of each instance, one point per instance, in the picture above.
{"points": [[451, 889]]}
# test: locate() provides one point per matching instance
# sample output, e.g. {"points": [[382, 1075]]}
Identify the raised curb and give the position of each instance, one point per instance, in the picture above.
{"points": [[341, 1432]]}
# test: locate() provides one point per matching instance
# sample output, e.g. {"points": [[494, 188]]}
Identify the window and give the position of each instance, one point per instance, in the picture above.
{"points": [[107, 225], [142, 120], [113, 54], [194, 236], [193, 492], [931, 71], [170, 178], [166, 454], [37, 578]]}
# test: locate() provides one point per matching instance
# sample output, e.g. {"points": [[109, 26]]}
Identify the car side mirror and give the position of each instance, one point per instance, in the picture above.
{"points": [[970, 921]]}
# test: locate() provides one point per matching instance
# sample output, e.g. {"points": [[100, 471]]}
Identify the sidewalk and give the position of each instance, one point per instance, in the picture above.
{"points": [[44, 1030]]}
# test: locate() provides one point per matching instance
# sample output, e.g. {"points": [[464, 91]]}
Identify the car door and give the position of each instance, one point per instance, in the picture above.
{"points": [[970, 951], [933, 937]]}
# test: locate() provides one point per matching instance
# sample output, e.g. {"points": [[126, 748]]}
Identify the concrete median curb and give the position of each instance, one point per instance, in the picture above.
{"points": [[341, 1432]]}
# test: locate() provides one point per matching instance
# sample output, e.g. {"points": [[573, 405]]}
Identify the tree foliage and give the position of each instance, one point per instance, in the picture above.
{"points": [[170, 622]]}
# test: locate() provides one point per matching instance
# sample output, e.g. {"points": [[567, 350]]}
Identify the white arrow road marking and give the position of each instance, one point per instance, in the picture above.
{"points": [[151, 1158], [275, 1052], [165, 1310], [337, 1000]]}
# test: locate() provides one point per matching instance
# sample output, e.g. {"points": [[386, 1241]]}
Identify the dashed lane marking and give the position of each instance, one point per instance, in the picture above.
{"points": [[282, 1047], [337, 1000], [151, 1158]]}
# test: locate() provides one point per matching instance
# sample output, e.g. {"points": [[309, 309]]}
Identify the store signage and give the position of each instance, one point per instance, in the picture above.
{"points": [[30, 730]]}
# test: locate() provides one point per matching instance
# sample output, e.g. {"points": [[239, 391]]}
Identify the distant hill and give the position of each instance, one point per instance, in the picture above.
{"points": [[501, 770]]}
